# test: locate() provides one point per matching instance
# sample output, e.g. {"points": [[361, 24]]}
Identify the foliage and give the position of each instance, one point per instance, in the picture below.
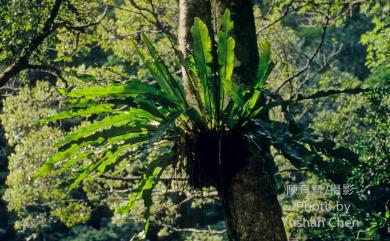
{"points": [[221, 111], [19, 28], [107, 232], [4, 224], [341, 118], [102, 54], [39, 204], [377, 40], [108, 139], [358, 122], [25, 196]]}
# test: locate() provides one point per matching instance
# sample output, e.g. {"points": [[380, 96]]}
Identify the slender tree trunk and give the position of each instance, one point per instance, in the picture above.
{"points": [[251, 209]]}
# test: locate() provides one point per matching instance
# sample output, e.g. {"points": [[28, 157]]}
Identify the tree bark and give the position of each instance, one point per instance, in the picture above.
{"points": [[188, 10], [249, 202], [251, 209], [244, 32]]}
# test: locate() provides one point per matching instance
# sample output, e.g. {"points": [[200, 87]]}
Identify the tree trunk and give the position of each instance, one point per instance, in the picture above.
{"points": [[188, 10], [250, 205], [249, 202], [244, 32]]}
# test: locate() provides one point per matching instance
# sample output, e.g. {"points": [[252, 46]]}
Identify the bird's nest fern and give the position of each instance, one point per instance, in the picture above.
{"points": [[209, 124]]}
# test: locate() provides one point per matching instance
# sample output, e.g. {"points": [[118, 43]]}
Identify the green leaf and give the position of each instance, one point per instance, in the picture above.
{"points": [[62, 91], [193, 81], [73, 155], [226, 45], [126, 143], [111, 121], [84, 174], [145, 187], [203, 58], [147, 182], [83, 77], [265, 56], [97, 109], [160, 77], [88, 130], [133, 137], [163, 72], [151, 106], [251, 103], [80, 102], [100, 165], [265, 68], [113, 158], [233, 91], [158, 134], [130, 89], [73, 161], [63, 155]]}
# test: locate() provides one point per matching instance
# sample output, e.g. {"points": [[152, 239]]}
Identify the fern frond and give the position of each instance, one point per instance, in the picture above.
{"points": [[108, 122], [202, 48], [226, 45], [96, 109]]}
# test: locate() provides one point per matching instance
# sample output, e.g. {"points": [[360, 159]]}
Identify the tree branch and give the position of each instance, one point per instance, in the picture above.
{"points": [[194, 230], [156, 22], [326, 93], [48, 69], [81, 28], [309, 61], [325, 65], [137, 178], [285, 14], [22, 61], [317, 95], [190, 198]]}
